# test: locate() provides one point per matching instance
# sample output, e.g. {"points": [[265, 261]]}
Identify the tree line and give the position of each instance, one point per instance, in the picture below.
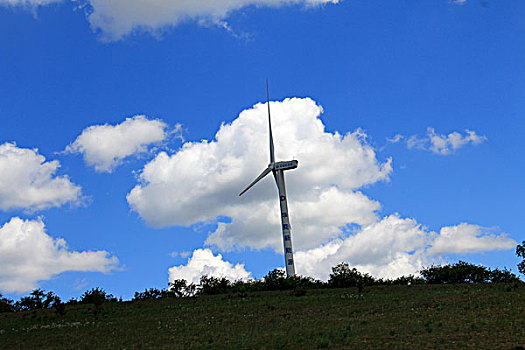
{"points": [[342, 276]]}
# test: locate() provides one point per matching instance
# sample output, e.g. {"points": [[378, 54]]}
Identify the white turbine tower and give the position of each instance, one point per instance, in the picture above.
{"points": [[278, 168]]}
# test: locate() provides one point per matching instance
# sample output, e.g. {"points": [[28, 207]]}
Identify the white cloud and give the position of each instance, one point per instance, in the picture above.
{"points": [[388, 248], [203, 262], [106, 146], [28, 255], [115, 19], [27, 181], [444, 144], [201, 182], [332, 220], [395, 139], [467, 238], [28, 3], [397, 246], [391, 247]]}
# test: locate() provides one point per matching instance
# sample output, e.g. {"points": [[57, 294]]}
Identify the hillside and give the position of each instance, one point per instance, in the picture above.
{"points": [[489, 316]]}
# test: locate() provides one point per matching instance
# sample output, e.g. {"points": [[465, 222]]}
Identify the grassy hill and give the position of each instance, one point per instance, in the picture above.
{"points": [[488, 316]]}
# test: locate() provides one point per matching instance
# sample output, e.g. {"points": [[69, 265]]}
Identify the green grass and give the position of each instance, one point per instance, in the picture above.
{"points": [[383, 317]]}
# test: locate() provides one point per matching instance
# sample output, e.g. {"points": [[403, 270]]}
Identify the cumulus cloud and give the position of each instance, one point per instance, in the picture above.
{"points": [[105, 146], [28, 255], [467, 238], [115, 19], [28, 182], [388, 248], [201, 182], [28, 3], [203, 262], [333, 221], [443, 144], [396, 246]]}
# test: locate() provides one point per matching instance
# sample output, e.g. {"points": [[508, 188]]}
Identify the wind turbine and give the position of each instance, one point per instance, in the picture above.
{"points": [[278, 168]]}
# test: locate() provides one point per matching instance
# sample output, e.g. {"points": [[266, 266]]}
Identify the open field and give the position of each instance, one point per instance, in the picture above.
{"points": [[489, 316]]}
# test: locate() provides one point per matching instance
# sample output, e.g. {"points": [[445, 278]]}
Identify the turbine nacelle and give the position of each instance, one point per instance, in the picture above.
{"points": [[291, 164], [277, 166]]}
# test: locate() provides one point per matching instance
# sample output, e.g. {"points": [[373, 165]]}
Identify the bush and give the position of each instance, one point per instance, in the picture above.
{"points": [[461, 272], [243, 287], [277, 280], [37, 299], [213, 285], [520, 252], [6, 305], [402, 281], [151, 293], [505, 276], [59, 306], [274, 280], [96, 296], [342, 276]]}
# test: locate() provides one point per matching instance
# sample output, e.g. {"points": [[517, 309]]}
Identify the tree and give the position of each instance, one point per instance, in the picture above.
{"points": [[6, 305], [342, 276], [274, 280], [214, 285], [151, 293], [178, 287], [520, 252], [37, 299], [96, 296], [502, 276]]}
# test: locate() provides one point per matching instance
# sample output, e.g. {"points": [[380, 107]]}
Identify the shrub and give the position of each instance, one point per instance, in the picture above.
{"points": [[59, 306], [178, 287], [461, 272], [151, 293], [403, 281], [96, 296], [505, 276], [37, 299], [342, 276], [520, 252], [274, 280], [6, 305], [213, 285]]}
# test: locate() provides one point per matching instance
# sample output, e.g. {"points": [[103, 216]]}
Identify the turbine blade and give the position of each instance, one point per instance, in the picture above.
{"points": [[272, 156], [263, 174]]}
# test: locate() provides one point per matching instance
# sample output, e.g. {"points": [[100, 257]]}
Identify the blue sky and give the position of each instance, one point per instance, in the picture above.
{"points": [[384, 68]]}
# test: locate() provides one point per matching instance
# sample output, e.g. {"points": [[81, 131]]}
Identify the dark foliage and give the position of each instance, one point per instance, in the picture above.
{"points": [[520, 252], [96, 296], [502, 276], [37, 299], [402, 281], [60, 307], [463, 272], [177, 289], [277, 280], [342, 276], [214, 285], [72, 301], [181, 289], [274, 280], [151, 293], [6, 305]]}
